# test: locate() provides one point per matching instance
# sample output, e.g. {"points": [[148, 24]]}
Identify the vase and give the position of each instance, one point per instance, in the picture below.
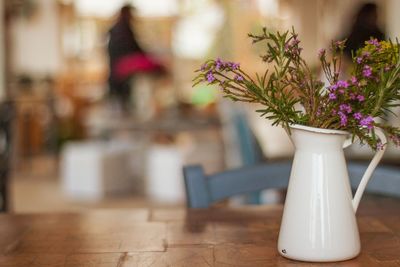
{"points": [[318, 222]]}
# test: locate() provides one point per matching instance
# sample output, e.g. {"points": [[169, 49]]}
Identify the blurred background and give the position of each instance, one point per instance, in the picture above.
{"points": [[81, 131]]}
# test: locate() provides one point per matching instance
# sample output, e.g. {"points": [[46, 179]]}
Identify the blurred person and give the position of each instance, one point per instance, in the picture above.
{"points": [[127, 58], [365, 27]]}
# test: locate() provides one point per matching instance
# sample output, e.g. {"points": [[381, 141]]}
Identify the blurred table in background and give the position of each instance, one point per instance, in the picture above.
{"points": [[101, 123], [220, 236], [151, 153]]}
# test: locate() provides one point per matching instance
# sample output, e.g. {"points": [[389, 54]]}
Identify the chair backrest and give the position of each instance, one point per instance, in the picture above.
{"points": [[249, 147], [203, 190], [384, 181], [250, 150]]}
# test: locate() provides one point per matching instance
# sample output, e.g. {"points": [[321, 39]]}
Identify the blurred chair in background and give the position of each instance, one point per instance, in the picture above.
{"points": [[242, 147], [251, 153], [385, 179], [249, 148], [203, 190], [249, 179]]}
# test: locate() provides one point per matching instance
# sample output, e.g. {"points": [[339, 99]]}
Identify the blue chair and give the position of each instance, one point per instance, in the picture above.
{"points": [[203, 190], [384, 181], [249, 180], [250, 150]]}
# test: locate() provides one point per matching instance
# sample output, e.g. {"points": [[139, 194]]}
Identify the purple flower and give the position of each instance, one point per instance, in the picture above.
{"points": [[366, 54], [339, 44], [345, 107], [238, 78], [210, 77], [354, 80], [287, 48], [359, 60], [235, 66], [343, 84], [352, 96], [380, 146], [367, 122], [294, 42], [361, 98], [219, 64], [357, 116], [333, 87], [367, 71], [343, 118], [374, 42], [332, 96]]}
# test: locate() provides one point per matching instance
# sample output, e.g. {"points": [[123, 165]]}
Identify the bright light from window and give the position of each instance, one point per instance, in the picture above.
{"points": [[108, 8], [98, 8], [156, 8], [194, 34], [268, 7]]}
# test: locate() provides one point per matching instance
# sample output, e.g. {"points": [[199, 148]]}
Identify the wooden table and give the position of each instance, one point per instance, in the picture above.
{"points": [[215, 237]]}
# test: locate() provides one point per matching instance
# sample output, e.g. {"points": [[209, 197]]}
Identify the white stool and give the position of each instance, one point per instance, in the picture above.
{"points": [[90, 170], [164, 178]]}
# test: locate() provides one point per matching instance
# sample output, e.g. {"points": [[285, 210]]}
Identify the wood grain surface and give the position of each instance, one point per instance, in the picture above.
{"points": [[222, 236]]}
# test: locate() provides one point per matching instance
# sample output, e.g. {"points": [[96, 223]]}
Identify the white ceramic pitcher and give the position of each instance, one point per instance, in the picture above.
{"points": [[319, 222]]}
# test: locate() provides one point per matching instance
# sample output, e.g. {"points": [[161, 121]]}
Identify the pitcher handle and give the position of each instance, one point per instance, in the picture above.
{"points": [[371, 167]]}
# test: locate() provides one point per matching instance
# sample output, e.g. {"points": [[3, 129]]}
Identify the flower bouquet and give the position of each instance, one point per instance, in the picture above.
{"points": [[318, 222], [290, 92]]}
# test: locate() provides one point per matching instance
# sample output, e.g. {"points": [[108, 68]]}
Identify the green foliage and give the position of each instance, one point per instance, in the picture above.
{"points": [[291, 94]]}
